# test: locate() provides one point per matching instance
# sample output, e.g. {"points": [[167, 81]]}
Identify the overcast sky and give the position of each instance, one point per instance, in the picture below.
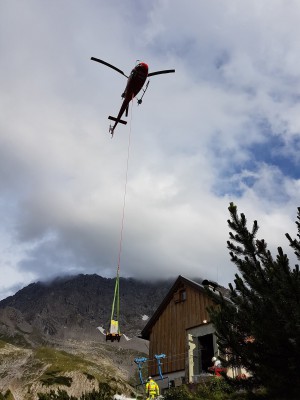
{"points": [[225, 127]]}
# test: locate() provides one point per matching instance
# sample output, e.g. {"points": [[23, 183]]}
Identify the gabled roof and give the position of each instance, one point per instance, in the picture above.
{"points": [[179, 281]]}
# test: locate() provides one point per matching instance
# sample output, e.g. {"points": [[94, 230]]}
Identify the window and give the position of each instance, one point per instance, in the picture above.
{"points": [[180, 296]]}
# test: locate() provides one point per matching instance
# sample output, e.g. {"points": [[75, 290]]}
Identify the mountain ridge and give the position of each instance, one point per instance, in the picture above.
{"points": [[48, 333], [66, 306]]}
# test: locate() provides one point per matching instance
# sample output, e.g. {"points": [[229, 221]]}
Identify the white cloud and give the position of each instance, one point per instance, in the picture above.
{"points": [[211, 133]]}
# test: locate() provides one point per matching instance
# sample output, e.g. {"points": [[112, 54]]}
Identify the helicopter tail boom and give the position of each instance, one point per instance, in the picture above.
{"points": [[117, 120]]}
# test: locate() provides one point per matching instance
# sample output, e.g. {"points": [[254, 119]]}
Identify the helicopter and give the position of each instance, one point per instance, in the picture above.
{"points": [[135, 82]]}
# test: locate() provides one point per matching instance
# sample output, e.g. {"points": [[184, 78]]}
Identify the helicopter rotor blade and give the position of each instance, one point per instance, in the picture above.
{"points": [[108, 65], [166, 71]]}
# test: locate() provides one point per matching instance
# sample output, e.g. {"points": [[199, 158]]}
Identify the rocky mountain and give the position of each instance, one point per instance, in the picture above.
{"points": [[49, 335], [74, 307]]}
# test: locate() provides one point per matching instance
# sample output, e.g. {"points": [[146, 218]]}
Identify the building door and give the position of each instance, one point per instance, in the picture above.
{"points": [[206, 347]]}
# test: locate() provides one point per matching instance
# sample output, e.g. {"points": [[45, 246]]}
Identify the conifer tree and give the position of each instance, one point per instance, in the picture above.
{"points": [[258, 326]]}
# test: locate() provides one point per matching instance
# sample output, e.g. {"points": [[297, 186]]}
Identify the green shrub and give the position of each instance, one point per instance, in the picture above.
{"points": [[105, 393], [7, 395], [89, 376], [52, 395], [215, 389], [220, 385], [51, 378], [181, 393]]}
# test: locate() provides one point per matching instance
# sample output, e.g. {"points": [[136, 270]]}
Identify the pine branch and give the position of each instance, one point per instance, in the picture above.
{"points": [[294, 243], [259, 326]]}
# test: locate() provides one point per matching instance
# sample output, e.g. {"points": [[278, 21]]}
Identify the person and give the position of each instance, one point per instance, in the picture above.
{"points": [[216, 362], [216, 368], [152, 389]]}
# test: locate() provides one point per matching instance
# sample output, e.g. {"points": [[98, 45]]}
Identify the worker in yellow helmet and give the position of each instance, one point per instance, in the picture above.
{"points": [[152, 389]]}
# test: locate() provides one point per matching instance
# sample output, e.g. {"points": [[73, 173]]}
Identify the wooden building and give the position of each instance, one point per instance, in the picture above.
{"points": [[180, 328]]}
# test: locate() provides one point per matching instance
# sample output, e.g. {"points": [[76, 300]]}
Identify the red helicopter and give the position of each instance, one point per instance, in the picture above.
{"points": [[135, 83]]}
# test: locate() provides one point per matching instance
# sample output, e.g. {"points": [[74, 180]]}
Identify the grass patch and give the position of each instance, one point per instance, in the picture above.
{"points": [[16, 340], [59, 362]]}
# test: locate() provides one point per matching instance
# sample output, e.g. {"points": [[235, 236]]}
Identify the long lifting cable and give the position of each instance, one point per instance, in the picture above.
{"points": [[125, 193], [116, 300]]}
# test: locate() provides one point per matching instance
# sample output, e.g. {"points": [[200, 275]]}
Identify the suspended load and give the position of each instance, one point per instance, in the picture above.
{"points": [[113, 332]]}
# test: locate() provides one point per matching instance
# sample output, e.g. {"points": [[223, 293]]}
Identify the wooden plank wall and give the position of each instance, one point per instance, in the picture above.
{"points": [[168, 334]]}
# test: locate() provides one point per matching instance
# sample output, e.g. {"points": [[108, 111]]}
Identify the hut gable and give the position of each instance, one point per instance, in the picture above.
{"points": [[183, 308]]}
